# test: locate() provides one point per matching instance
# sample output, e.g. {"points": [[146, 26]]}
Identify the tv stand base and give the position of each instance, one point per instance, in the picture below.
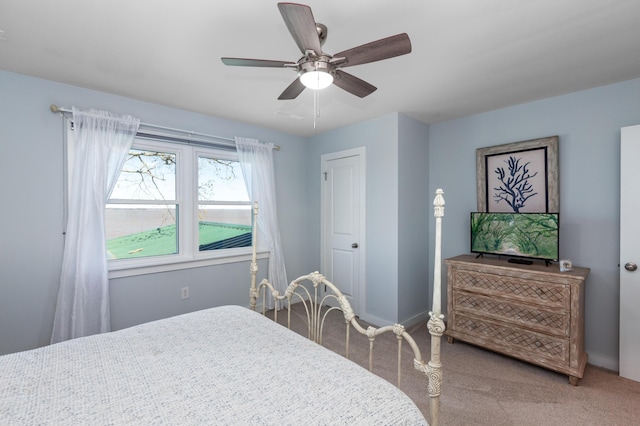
{"points": [[521, 261]]}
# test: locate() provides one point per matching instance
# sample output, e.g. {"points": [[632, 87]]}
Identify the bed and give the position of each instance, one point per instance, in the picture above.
{"points": [[224, 365]]}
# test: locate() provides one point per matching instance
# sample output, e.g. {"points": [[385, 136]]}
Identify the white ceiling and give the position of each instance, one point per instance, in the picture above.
{"points": [[468, 56]]}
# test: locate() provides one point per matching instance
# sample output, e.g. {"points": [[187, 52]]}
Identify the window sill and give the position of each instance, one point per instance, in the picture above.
{"points": [[178, 263]]}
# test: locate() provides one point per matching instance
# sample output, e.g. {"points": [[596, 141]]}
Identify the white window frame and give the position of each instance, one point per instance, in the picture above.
{"points": [[187, 199]]}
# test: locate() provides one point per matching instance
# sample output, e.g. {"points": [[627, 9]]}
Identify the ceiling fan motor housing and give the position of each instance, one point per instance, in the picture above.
{"points": [[315, 63]]}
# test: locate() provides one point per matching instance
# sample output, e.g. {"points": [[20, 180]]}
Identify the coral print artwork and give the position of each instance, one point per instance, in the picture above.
{"points": [[519, 177], [516, 182]]}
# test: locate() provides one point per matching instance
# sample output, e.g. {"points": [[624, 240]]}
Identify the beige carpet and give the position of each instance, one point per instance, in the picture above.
{"points": [[484, 388]]}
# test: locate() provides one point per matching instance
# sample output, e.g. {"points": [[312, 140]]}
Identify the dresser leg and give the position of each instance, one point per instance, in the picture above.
{"points": [[449, 339], [573, 380]]}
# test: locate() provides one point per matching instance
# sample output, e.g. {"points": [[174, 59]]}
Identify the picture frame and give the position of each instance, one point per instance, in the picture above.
{"points": [[520, 177], [565, 265]]}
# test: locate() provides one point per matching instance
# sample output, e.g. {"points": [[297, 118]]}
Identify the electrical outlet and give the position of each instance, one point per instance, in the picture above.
{"points": [[185, 292]]}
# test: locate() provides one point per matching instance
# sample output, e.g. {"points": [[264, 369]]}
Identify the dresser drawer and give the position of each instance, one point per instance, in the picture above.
{"points": [[513, 340], [527, 290], [555, 322]]}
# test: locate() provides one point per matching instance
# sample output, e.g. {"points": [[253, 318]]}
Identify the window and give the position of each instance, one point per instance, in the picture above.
{"points": [[224, 208], [141, 216], [176, 203]]}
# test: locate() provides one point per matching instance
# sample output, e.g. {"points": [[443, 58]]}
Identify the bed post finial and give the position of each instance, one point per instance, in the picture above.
{"points": [[436, 321], [438, 212], [438, 203]]}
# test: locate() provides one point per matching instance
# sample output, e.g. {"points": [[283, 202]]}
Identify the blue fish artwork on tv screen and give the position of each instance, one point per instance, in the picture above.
{"points": [[528, 235]]}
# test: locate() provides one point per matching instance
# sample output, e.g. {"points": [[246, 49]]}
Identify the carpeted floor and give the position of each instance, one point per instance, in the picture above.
{"points": [[484, 388]]}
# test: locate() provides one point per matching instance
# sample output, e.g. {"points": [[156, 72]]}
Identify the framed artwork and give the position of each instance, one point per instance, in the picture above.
{"points": [[519, 177]]}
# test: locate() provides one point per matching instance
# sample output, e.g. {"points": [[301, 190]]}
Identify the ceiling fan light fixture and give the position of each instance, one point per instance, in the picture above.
{"points": [[316, 79]]}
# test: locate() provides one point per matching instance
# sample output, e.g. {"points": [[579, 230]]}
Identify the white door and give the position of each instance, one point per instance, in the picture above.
{"points": [[629, 254], [342, 257]]}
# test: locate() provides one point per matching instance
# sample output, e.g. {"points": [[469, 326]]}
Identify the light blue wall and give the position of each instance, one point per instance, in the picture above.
{"points": [[414, 209], [396, 201], [588, 124], [31, 236], [380, 137]]}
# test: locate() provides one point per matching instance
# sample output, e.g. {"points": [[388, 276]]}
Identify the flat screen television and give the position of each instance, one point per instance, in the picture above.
{"points": [[523, 235]]}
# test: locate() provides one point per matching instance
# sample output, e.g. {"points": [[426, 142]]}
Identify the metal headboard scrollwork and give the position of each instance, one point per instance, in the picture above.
{"points": [[318, 304]]}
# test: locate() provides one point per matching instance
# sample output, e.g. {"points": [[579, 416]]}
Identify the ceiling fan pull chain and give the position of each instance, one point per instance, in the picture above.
{"points": [[315, 107], [316, 100]]}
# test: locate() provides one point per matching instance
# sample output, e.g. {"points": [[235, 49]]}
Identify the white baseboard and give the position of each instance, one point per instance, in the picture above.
{"points": [[603, 361], [376, 321], [380, 322], [422, 317]]}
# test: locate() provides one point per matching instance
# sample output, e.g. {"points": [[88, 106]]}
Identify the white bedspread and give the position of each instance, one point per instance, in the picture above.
{"points": [[226, 365]]}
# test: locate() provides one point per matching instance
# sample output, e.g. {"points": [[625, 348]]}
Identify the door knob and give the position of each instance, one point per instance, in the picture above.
{"points": [[630, 266], [354, 245]]}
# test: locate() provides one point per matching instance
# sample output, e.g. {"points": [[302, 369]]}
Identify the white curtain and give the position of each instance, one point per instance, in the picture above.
{"points": [[256, 160], [102, 142]]}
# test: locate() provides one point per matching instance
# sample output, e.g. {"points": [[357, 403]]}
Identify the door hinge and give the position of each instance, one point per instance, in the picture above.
{"points": [[325, 175]]}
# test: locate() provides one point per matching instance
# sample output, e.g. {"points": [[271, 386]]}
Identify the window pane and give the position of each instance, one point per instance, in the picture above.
{"points": [[224, 226], [147, 175], [140, 230], [220, 180]]}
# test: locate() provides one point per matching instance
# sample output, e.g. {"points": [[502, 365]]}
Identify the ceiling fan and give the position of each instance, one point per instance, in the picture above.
{"points": [[317, 69]]}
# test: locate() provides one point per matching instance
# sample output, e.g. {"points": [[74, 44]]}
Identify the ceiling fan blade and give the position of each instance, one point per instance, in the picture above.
{"points": [[353, 84], [292, 91], [376, 50], [302, 26], [241, 62]]}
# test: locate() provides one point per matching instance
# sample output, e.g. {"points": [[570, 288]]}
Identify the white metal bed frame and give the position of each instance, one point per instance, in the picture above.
{"points": [[316, 307]]}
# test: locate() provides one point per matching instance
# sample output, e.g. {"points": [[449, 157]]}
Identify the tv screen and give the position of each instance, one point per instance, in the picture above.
{"points": [[529, 235]]}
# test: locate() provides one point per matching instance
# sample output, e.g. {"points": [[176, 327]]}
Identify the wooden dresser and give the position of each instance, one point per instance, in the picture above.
{"points": [[531, 312]]}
